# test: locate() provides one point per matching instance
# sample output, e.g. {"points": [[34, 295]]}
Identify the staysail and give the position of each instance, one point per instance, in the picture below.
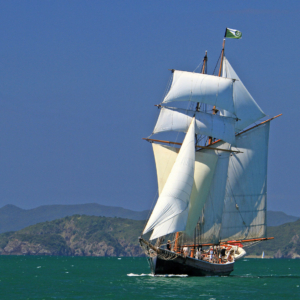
{"points": [[213, 90], [245, 106], [175, 119], [244, 214], [173, 202]]}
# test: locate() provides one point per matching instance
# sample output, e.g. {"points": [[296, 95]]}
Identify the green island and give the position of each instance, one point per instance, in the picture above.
{"points": [[81, 235], [78, 235]]}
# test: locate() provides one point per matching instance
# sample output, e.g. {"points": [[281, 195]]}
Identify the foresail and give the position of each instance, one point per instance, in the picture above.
{"points": [[247, 110], [173, 119], [174, 199], [244, 214], [211, 217], [205, 165], [213, 90], [165, 157]]}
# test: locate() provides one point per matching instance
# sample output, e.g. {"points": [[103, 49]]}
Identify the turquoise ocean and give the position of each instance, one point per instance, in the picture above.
{"points": [[42, 277]]}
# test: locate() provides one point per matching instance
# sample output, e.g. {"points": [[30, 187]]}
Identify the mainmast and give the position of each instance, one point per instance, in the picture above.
{"points": [[214, 110], [222, 55]]}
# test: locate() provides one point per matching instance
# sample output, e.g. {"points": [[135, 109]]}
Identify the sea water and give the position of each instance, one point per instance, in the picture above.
{"points": [[42, 277]]}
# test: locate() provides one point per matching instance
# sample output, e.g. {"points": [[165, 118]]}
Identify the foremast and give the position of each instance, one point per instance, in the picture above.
{"points": [[214, 110]]}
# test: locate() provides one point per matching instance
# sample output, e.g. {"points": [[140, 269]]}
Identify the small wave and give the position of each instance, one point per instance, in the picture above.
{"points": [[151, 275], [266, 276], [138, 275], [172, 275]]}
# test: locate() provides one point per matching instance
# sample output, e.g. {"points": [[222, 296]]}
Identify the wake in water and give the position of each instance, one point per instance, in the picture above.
{"points": [[151, 275], [266, 276]]}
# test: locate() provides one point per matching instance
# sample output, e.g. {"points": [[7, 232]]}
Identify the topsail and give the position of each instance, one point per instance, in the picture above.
{"points": [[213, 90], [226, 93], [245, 106], [174, 119]]}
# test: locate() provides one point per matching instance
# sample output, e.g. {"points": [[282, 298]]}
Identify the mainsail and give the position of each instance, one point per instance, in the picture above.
{"points": [[176, 119], [244, 214], [173, 202]]}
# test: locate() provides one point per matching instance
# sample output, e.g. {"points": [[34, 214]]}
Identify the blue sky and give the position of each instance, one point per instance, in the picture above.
{"points": [[79, 80]]}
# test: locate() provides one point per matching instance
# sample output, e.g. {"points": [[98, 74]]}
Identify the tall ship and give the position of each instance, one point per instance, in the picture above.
{"points": [[212, 184]]}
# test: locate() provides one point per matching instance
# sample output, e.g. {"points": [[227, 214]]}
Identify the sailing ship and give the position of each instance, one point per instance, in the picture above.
{"points": [[212, 186]]}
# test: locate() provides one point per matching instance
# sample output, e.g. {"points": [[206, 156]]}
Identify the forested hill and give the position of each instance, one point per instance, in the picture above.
{"points": [[77, 235], [286, 243], [100, 236], [276, 218], [13, 218]]}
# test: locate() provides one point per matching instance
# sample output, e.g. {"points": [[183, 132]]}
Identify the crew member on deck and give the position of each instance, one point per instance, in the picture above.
{"points": [[223, 253], [169, 245], [211, 253], [200, 252], [185, 251]]}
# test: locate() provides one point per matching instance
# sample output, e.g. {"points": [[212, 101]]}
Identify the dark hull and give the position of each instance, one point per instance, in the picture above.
{"points": [[187, 265]]}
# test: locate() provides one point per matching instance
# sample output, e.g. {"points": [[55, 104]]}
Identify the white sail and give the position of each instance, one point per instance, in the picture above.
{"points": [[246, 109], [244, 214], [213, 90], [171, 119], [211, 217], [205, 162], [165, 157], [174, 199]]}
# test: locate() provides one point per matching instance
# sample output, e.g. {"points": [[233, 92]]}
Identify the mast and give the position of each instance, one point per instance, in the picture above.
{"points": [[204, 63], [204, 68], [222, 55], [220, 70]]}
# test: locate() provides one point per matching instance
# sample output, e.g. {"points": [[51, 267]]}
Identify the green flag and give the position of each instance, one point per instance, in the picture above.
{"points": [[233, 33]]}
